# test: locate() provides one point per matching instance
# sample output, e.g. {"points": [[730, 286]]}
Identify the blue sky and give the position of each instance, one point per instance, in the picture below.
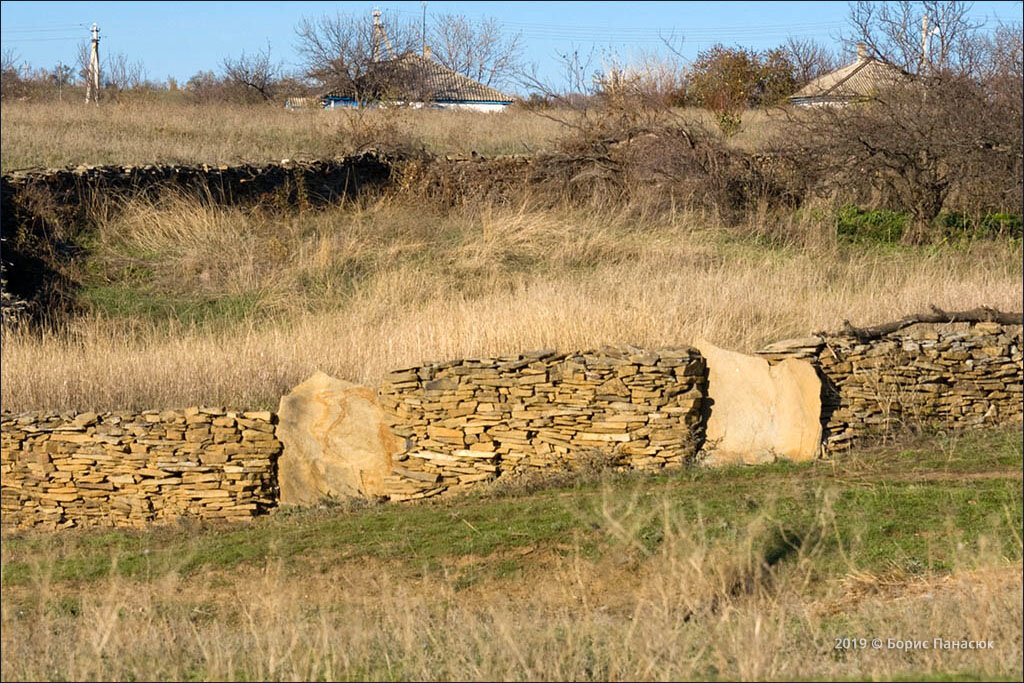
{"points": [[180, 38]]}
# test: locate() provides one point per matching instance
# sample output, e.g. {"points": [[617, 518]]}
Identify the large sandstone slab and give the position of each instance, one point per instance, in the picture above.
{"points": [[336, 440], [759, 412]]}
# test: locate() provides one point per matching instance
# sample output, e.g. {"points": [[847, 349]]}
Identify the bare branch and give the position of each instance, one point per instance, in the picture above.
{"points": [[337, 51], [476, 49], [254, 73]]}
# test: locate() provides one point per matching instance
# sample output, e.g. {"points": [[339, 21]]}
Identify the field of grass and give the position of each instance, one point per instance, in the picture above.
{"points": [[738, 573], [742, 573], [57, 134], [53, 134], [187, 303]]}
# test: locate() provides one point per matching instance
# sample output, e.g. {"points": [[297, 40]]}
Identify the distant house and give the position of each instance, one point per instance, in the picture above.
{"points": [[856, 82], [417, 81], [303, 103]]}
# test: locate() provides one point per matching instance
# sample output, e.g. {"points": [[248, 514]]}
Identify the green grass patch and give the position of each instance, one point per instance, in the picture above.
{"points": [[913, 508], [131, 299]]}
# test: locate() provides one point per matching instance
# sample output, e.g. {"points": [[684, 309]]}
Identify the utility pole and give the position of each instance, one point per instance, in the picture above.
{"points": [[380, 36], [375, 50], [60, 81], [423, 37], [92, 86]]}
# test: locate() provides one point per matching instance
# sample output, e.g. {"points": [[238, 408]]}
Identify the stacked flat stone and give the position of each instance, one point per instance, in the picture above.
{"points": [[325, 179], [952, 376], [130, 469], [470, 421]]}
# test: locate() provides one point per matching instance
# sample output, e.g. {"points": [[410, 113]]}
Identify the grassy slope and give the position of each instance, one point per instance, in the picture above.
{"points": [[941, 516], [889, 501], [190, 303]]}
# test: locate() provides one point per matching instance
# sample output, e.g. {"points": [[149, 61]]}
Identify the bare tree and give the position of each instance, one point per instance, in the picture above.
{"points": [[951, 132], [123, 74], [338, 51], [82, 58], [929, 37], [9, 61], [477, 49], [10, 81], [914, 146], [255, 74], [1003, 58], [809, 59]]}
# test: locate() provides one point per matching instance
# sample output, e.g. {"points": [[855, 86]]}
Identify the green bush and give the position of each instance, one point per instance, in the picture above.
{"points": [[958, 225], [886, 227], [857, 225]]}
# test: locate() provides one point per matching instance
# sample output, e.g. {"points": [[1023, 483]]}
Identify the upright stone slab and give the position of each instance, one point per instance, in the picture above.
{"points": [[337, 442], [759, 412]]}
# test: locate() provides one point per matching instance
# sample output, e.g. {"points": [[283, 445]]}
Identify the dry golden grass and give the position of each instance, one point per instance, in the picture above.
{"points": [[358, 290], [697, 607], [52, 134], [138, 132]]}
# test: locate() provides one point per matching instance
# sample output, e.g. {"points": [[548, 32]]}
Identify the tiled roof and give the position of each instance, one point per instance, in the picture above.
{"points": [[417, 78], [860, 79]]}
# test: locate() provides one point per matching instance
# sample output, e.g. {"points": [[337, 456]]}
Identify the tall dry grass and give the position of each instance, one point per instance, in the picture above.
{"points": [[697, 607], [361, 289], [54, 134]]}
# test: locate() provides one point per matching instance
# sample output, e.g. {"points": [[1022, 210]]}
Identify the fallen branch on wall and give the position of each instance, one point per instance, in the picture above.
{"points": [[982, 314]]}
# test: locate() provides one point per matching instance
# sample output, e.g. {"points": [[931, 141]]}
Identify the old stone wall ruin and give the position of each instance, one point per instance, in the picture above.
{"points": [[471, 421], [451, 426], [952, 376], [130, 469], [321, 180]]}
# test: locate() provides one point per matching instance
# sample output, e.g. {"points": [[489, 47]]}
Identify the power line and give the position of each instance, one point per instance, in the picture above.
{"points": [[56, 28], [637, 31], [702, 29], [644, 35], [42, 40]]}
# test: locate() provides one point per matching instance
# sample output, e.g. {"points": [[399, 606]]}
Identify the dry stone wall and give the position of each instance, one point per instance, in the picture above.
{"points": [[453, 425], [953, 376], [320, 180], [130, 469], [472, 421]]}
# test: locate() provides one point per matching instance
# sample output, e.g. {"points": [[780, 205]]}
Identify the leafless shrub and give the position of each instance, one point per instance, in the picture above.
{"points": [[384, 130], [254, 75], [809, 60], [338, 51], [477, 49], [624, 138], [892, 32]]}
